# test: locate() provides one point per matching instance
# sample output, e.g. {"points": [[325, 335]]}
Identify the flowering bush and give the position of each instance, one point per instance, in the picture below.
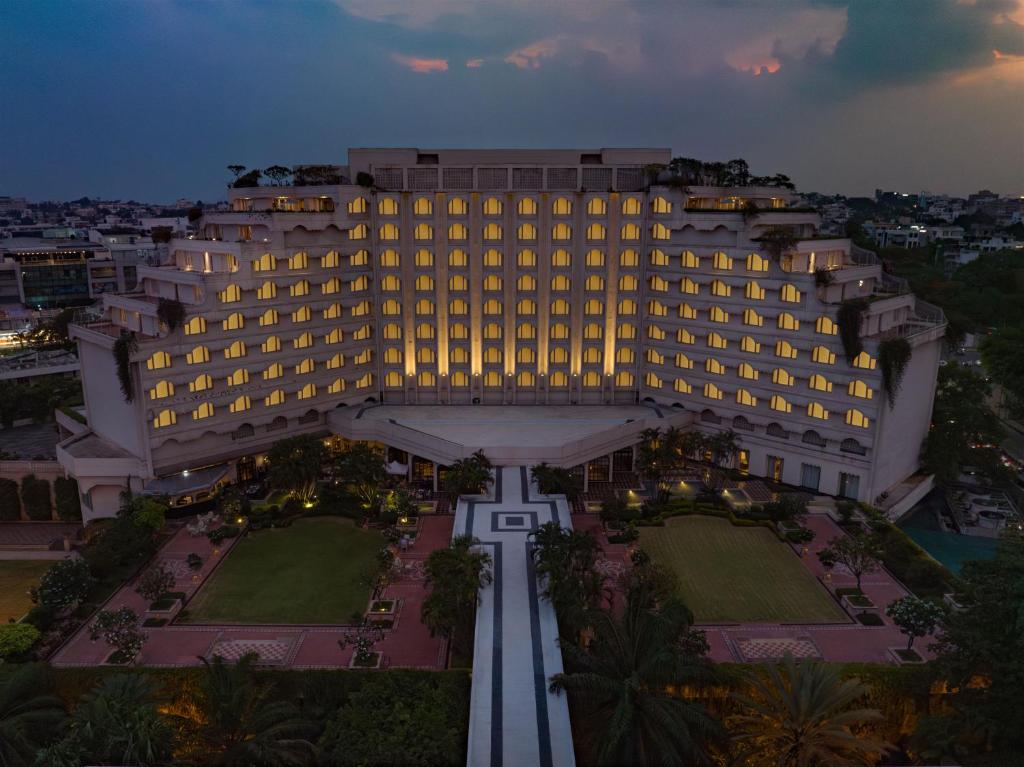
{"points": [[119, 629], [65, 584], [16, 638], [155, 582], [362, 639]]}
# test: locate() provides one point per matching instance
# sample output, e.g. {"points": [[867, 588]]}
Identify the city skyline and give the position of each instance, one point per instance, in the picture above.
{"points": [[139, 101]]}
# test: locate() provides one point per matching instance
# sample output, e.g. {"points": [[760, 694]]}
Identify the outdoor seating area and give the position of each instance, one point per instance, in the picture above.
{"points": [[983, 514]]}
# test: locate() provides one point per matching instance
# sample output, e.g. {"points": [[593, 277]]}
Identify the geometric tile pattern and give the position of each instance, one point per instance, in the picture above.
{"points": [[776, 647], [609, 568], [271, 652], [177, 567]]}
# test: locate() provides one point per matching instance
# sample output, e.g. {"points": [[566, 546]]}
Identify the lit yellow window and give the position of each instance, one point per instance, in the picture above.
{"points": [[659, 258], [624, 379], [158, 361], [458, 331], [198, 355], [330, 260], [359, 258], [754, 291], [561, 206], [595, 257], [788, 322], [458, 282], [721, 261], [687, 285], [653, 331], [864, 360], [682, 361], [392, 355], [271, 344], [782, 377], [525, 354], [332, 285], [559, 306], [625, 331], [631, 206], [492, 306], [559, 356], [527, 207], [298, 260], [161, 389], [559, 331], [359, 232], [302, 314], [654, 357], [230, 294], [689, 260], [275, 397], [358, 205], [855, 417], [526, 306], [656, 308], [235, 350], [202, 382], [628, 282], [239, 377], [426, 378], [493, 232], [265, 263], [858, 388], [757, 263], [492, 355], [789, 293], [593, 331], [425, 331], [561, 232], [393, 380], [300, 288], [718, 314], [424, 306], [362, 333], [423, 258], [165, 418], [387, 232], [826, 326], [492, 379], [713, 366], [819, 382], [660, 232], [751, 317], [424, 282], [652, 381], [597, 206], [785, 349], [460, 379], [458, 232], [303, 341], [593, 306], [365, 356], [743, 397], [388, 206], [682, 386], [684, 336], [591, 379], [336, 336], [391, 308], [629, 233], [457, 207], [822, 355], [390, 258], [715, 341], [817, 410], [687, 312], [492, 257], [712, 392], [195, 326], [629, 258], [559, 380], [205, 410], [338, 360], [660, 205], [658, 283], [526, 232], [779, 403], [390, 283], [492, 206], [240, 404], [596, 233], [424, 232], [526, 257], [268, 318], [719, 288], [266, 291], [307, 365], [749, 345], [458, 306], [423, 206], [526, 282], [336, 386]]}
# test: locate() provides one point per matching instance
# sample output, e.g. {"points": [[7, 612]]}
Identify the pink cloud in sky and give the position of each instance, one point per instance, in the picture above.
{"points": [[422, 66], [474, 63], [529, 56]]}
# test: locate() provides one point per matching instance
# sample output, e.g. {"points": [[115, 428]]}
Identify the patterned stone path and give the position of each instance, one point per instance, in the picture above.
{"points": [[513, 719]]}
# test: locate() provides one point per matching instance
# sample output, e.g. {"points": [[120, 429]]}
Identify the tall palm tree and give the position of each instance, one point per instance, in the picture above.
{"points": [[30, 714], [456, 575], [467, 476], [565, 564], [623, 680], [243, 726], [724, 447], [802, 715]]}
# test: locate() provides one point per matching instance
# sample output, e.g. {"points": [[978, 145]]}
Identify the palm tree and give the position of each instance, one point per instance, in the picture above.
{"points": [[243, 726], [456, 575], [467, 476], [623, 682], [295, 465], [724, 447], [801, 715], [565, 563], [30, 714]]}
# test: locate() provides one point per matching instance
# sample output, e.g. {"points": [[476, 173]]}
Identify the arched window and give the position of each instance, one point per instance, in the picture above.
{"points": [[457, 207], [459, 355], [746, 370], [624, 379], [387, 232], [817, 410], [779, 403], [628, 283], [302, 314], [457, 257], [526, 282], [561, 232], [391, 308], [338, 360], [629, 258], [782, 377], [719, 288], [195, 326], [595, 258], [751, 317], [303, 341], [757, 263], [358, 205], [658, 283], [235, 350], [424, 282], [864, 361], [425, 331], [660, 232], [559, 355], [307, 365], [625, 356], [682, 386], [390, 259], [423, 232], [593, 306], [336, 336], [684, 336], [627, 306], [683, 362], [265, 263], [423, 206], [629, 232], [460, 379], [654, 357], [858, 388], [655, 332], [687, 312], [492, 331], [526, 306], [559, 380], [561, 206], [336, 386], [721, 261], [240, 404], [388, 206], [165, 418], [458, 307], [659, 257], [492, 378], [591, 379], [819, 382], [492, 306], [426, 378], [527, 258], [392, 356], [494, 232], [424, 307], [754, 292], [307, 391], [660, 205], [525, 378], [162, 389], [788, 322], [631, 206], [686, 285], [785, 349], [656, 308], [749, 345], [789, 293], [527, 206], [198, 355], [299, 260], [743, 397], [712, 392], [597, 206], [358, 232], [855, 417], [158, 361], [300, 288], [592, 331], [826, 326], [559, 331], [716, 341], [718, 314], [458, 331], [202, 382], [393, 380], [526, 354], [625, 331], [274, 370], [526, 233], [230, 294], [492, 206], [713, 366], [823, 355], [457, 232]]}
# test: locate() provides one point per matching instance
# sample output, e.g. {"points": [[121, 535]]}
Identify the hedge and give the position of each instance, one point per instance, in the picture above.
{"points": [[689, 508], [69, 506], [911, 565], [10, 501], [35, 497]]}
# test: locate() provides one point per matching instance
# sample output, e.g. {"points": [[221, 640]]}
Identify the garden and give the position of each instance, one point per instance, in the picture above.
{"points": [[17, 577]]}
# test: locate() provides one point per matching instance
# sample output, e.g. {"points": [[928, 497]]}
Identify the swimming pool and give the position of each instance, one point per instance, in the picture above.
{"points": [[951, 549]]}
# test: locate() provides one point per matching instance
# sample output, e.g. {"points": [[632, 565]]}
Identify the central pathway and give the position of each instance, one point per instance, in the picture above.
{"points": [[514, 721]]}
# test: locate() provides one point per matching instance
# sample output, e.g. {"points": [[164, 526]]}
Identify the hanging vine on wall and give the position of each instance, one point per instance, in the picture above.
{"points": [[123, 349], [777, 241], [893, 356], [171, 312], [848, 318]]}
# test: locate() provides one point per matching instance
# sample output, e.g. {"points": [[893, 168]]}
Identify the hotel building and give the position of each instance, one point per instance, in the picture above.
{"points": [[538, 278]]}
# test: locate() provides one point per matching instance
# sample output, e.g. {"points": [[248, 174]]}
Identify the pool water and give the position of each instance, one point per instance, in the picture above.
{"points": [[951, 549]]}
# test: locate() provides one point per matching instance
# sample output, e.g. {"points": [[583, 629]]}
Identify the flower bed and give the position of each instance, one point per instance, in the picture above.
{"points": [[906, 657]]}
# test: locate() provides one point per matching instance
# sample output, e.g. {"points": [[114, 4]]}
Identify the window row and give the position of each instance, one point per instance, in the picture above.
{"points": [[492, 378], [494, 331], [754, 262], [494, 206], [492, 232], [492, 257], [198, 355], [787, 292], [783, 349]]}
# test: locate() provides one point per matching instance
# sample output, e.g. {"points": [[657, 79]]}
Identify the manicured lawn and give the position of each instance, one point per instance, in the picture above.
{"points": [[17, 576], [312, 572], [738, 574]]}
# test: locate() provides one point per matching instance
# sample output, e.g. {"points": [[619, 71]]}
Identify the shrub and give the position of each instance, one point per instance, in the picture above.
{"points": [[35, 497], [364, 179], [10, 501], [194, 561], [223, 532], [119, 629], [17, 639], [155, 583], [69, 506], [65, 584]]}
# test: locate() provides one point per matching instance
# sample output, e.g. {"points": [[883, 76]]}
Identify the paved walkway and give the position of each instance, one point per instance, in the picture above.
{"points": [[513, 718]]}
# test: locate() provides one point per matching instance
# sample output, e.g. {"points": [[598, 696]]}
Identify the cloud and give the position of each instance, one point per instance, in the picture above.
{"points": [[530, 56], [474, 63], [422, 66]]}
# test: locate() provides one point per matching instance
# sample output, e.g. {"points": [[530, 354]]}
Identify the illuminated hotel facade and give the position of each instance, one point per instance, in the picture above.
{"points": [[504, 277]]}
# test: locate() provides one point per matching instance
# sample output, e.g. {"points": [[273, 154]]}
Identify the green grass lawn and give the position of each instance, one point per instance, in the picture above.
{"points": [[312, 572], [17, 576], [742, 574]]}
